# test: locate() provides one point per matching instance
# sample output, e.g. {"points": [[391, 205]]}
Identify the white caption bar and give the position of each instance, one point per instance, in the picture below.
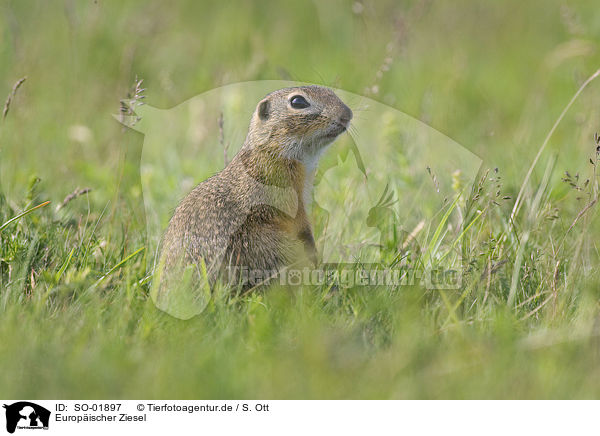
{"points": [[41, 417]]}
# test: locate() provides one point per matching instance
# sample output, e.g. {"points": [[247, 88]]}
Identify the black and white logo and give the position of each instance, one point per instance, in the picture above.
{"points": [[26, 415]]}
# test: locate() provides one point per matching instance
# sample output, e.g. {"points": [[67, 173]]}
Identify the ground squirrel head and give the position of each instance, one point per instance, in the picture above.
{"points": [[298, 122]]}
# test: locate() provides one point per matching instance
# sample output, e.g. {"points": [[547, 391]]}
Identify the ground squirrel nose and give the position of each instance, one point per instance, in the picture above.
{"points": [[346, 116]]}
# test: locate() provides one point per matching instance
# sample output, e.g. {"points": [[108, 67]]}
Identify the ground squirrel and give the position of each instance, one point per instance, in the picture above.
{"points": [[253, 213]]}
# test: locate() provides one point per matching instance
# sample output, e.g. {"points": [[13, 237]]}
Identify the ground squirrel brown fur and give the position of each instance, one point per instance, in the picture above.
{"points": [[253, 213]]}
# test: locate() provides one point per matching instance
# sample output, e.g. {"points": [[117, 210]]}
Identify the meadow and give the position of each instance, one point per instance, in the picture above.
{"points": [[515, 83]]}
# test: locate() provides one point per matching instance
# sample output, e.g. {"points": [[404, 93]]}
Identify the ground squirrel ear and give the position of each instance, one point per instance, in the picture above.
{"points": [[263, 109]]}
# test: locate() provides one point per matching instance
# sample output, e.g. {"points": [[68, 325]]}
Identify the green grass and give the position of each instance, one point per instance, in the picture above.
{"points": [[76, 319]]}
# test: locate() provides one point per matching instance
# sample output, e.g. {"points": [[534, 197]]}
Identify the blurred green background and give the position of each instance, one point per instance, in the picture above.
{"points": [[75, 318]]}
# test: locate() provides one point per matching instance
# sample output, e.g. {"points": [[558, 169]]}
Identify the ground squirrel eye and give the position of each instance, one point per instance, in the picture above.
{"points": [[299, 102]]}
